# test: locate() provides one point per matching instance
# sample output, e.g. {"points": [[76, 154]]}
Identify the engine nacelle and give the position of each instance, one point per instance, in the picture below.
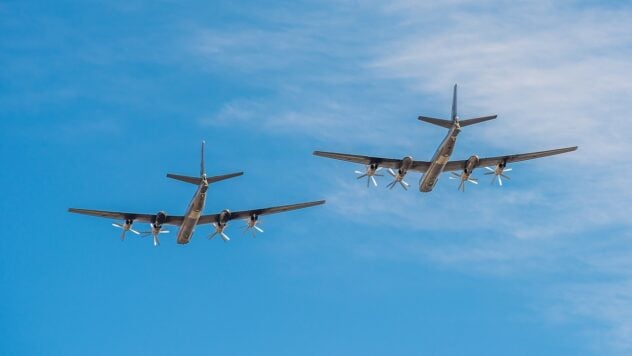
{"points": [[161, 218], [471, 163], [224, 217], [407, 162]]}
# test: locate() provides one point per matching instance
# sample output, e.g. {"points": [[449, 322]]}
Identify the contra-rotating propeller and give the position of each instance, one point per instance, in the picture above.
{"points": [[397, 178], [370, 173], [463, 177], [155, 231], [219, 230], [126, 226], [498, 171], [252, 224]]}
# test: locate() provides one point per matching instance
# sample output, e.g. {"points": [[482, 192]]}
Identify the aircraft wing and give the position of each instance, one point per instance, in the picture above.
{"points": [[148, 218], [419, 166], [214, 218], [492, 161]]}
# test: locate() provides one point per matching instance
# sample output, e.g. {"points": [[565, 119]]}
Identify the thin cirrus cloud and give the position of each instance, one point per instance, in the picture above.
{"points": [[556, 75]]}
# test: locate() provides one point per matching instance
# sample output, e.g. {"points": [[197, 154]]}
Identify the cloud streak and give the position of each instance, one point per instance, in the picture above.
{"points": [[554, 72]]}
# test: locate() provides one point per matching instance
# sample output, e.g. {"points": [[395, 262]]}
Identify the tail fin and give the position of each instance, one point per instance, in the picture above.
{"points": [[202, 170], [202, 177], [454, 115], [455, 118]]}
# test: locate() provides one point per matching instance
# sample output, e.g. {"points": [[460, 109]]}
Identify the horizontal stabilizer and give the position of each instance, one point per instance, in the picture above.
{"points": [[439, 122], [198, 180], [222, 177], [468, 122], [187, 179]]}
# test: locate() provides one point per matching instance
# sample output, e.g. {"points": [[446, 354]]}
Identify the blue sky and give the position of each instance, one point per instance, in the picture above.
{"points": [[100, 100]]}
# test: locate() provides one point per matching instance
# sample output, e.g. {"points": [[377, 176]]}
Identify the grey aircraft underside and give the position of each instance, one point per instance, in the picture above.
{"points": [[193, 216], [431, 170]]}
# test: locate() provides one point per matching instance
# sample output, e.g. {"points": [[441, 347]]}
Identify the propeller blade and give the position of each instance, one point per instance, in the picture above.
{"points": [[117, 225], [392, 172], [374, 181], [490, 169], [358, 172], [507, 169], [123, 235], [156, 240], [362, 176], [472, 181], [224, 237], [258, 228], [404, 184], [134, 231], [500, 181]]}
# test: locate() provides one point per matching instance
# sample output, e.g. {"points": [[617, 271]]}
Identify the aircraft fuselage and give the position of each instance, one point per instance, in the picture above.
{"points": [[439, 160], [193, 213]]}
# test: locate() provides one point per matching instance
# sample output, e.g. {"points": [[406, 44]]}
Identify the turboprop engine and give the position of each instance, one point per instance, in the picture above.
{"points": [[470, 164], [398, 177], [220, 225]]}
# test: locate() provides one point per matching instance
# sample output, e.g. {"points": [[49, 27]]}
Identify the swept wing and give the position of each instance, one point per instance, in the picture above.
{"points": [[493, 161], [418, 166], [148, 218], [215, 218]]}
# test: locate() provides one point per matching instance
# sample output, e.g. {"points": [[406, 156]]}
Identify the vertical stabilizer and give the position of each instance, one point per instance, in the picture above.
{"points": [[454, 116], [202, 170]]}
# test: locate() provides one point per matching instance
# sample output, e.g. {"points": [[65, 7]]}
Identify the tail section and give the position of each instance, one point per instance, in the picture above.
{"points": [[199, 180], [454, 120]]}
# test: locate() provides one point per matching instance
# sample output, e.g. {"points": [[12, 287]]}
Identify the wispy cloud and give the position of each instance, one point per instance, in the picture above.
{"points": [[555, 72]]}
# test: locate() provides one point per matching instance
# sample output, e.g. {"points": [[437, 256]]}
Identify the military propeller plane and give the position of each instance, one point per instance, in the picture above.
{"points": [[193, 216], [431, 170]]}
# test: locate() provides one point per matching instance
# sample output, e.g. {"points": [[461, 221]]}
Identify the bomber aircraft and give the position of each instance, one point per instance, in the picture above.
{"points": [[431, 170], [193, 216]]}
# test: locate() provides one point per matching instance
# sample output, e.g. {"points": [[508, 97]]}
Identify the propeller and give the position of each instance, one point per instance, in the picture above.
{"points": [[155, 231], [127, 226], [398, 178], [463, 177], [219, 230], [370, 173], [498, 172], [252, 225]]}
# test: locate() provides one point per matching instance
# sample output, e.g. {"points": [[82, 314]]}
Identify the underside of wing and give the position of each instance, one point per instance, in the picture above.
{"points": [[392, 163], [382, 162], [492, 161], [214, 218], [148, 218]]}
